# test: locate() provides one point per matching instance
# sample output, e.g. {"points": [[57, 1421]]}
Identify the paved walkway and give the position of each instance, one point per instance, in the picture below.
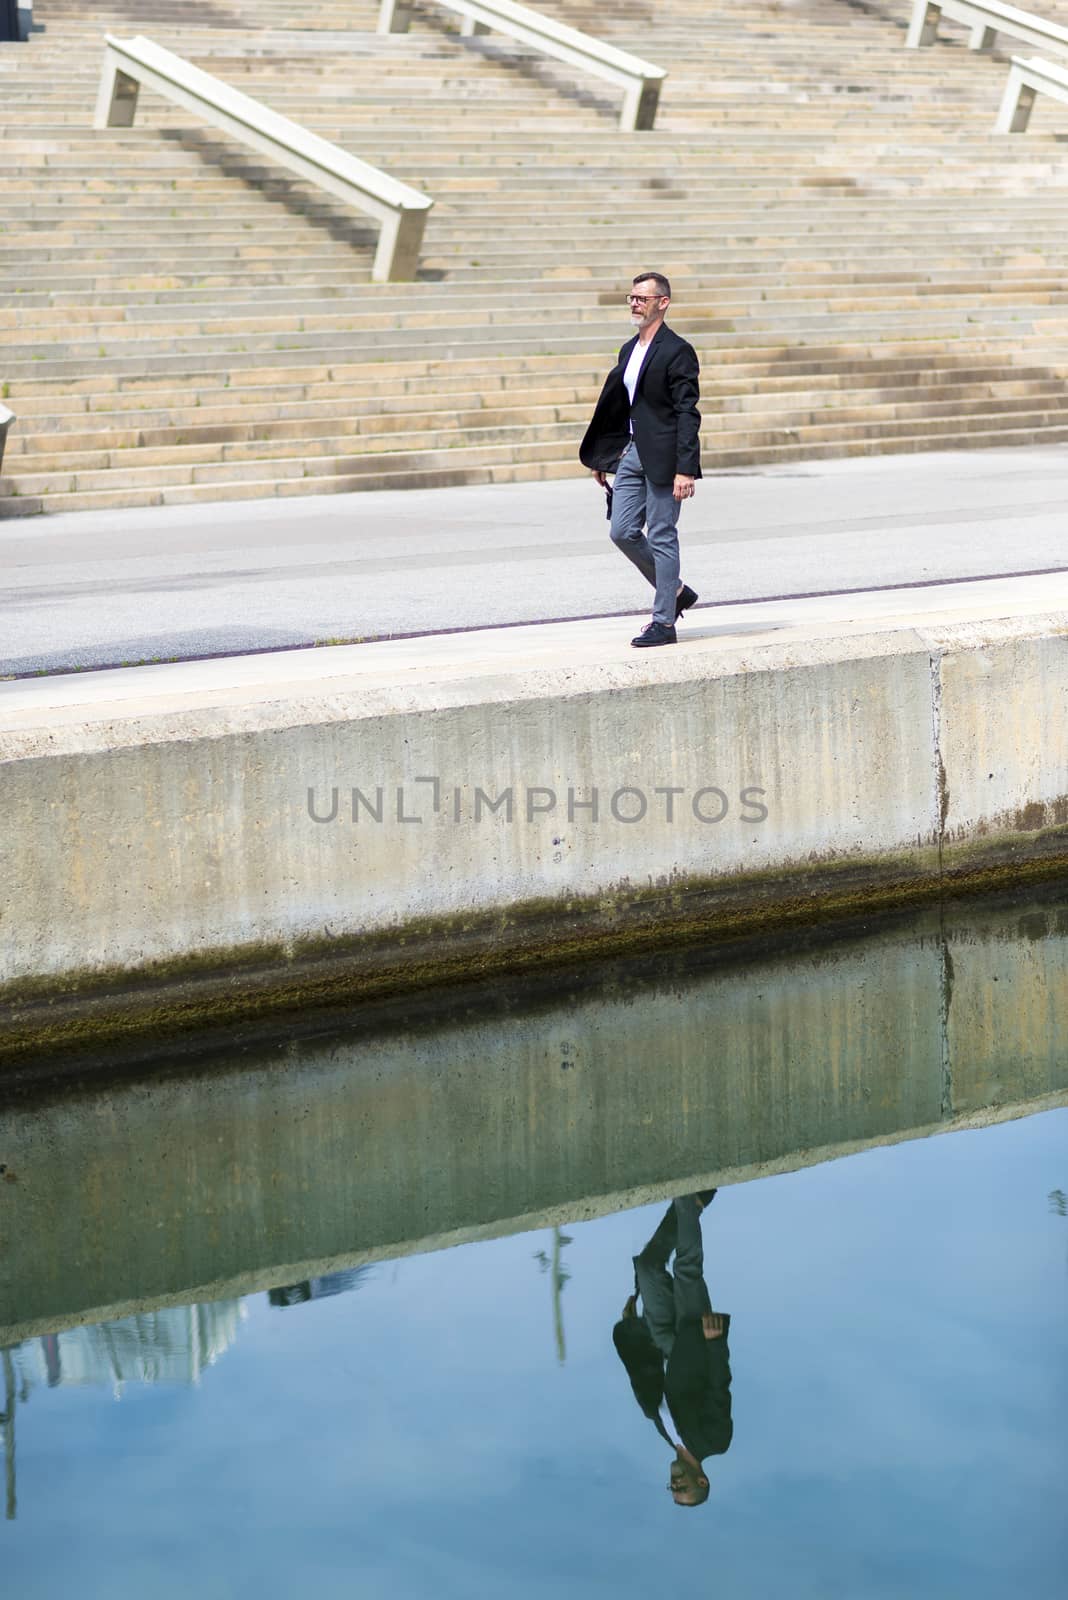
{"points": [[95, 589], [401, 672]]}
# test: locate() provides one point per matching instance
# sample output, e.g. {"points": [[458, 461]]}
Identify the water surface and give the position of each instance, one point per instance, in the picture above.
{"points": [[240, 1363]]}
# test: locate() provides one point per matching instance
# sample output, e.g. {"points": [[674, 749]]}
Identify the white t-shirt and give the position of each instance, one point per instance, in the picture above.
{"points": [[634, 366], [668, 1421]]}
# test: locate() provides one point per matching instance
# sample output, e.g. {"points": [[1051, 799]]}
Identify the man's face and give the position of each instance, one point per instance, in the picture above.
{"points": [[646, 305], [687, 1484]]}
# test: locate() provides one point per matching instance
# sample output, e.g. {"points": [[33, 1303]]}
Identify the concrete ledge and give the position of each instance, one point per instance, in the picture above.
{"points": [[181, 843]]}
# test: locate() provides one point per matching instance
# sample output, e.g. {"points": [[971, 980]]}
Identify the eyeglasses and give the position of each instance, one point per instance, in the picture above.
{"points": [[642, 299]]}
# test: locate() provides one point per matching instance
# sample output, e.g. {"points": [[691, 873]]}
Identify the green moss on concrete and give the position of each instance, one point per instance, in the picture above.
{"points": [[87, 1011]]}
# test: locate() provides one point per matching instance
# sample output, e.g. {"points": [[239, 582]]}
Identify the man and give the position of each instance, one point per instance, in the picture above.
{"points": [[675, 1351], [645, 430]]}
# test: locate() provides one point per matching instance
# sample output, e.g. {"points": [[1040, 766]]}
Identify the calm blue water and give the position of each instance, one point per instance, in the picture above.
{"points": [[898, 1342]]}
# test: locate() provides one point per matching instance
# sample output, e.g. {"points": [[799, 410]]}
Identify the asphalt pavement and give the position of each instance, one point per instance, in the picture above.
{"points": [[103, 589]]}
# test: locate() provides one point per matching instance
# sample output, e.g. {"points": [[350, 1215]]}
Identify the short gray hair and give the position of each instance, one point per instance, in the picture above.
{"points": [[663, 287]]}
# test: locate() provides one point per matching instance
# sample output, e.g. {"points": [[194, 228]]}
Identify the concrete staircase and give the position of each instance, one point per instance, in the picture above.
{"points": [[862, 265]]}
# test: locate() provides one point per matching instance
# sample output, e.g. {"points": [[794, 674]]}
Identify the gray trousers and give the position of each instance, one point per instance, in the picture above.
{"points": [[668, 1297], [636, 504]]}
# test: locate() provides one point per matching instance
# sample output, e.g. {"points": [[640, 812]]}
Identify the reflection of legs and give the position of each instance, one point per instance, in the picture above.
{"points": [[691, 1291], [654, 1282]]}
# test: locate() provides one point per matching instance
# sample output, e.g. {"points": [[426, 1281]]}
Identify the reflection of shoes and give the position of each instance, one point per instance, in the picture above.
{"points": [[685, 598], [706, 1196], [655, 633]]}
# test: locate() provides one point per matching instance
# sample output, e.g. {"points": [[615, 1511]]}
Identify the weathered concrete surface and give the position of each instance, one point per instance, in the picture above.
{"points": [[1006, 1001], [632, 1081], [1006, 768], [161, 824]]}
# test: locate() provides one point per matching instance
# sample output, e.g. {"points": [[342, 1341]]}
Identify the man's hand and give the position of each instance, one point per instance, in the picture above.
{"points": [[601, 478], [683, 489], [712, 1325]]}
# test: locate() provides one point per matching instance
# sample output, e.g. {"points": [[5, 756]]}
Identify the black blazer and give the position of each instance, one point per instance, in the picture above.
{"points": [[696, 1381], [665, 415], [697, 1387]]}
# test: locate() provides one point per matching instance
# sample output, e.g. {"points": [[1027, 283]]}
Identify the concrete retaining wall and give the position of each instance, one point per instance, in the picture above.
{"points": [[164, 829]]}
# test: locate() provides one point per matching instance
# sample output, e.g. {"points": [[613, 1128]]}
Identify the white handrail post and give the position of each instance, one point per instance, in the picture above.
{"points": [[116, 101], [985, 20], [6, 419], [1017, 104], [923, 28], [640, 101], [394, 16], [399, 243]]}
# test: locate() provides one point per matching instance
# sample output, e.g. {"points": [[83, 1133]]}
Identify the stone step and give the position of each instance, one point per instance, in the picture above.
{"points": [[205, 352], [353, 413], [360, 389], [147, 450], [860, 260], [266, 461], [329, 436], [435, 472], [298, 299], [743, 369], [163, 334], [54, 487], [347, 308]]}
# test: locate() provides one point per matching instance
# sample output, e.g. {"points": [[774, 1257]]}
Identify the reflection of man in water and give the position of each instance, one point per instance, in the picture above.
{"points": [[675, 1349]]}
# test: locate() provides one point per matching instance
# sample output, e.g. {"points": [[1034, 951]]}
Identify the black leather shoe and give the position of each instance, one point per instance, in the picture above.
{"points": [[685, 598], [655, 633]]}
